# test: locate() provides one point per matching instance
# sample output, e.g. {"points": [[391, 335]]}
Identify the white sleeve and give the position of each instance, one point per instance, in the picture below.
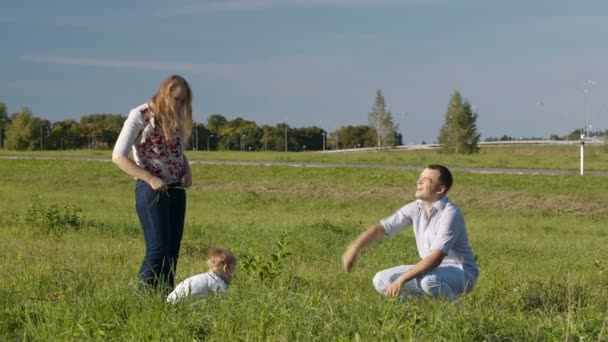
{"points": [[178, 293], [194, 286], [174, 296], [130, 130], [400, 219]]}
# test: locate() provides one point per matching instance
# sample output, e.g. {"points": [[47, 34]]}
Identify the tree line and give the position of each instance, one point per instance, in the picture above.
{"points": [[25, 131]]}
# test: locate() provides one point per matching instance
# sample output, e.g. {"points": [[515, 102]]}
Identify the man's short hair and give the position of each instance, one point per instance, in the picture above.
{"points": [[445, 176]]}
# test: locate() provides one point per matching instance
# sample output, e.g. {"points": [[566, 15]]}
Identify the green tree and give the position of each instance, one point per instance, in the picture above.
{"points": [[575, 135], [459, 132], [381, 121], [284, 137], [65, 135], [215, 123], [307, 138], [354, 137], [199, 138], [101, 130], [27, 132], [4, 123], [266, 140]]}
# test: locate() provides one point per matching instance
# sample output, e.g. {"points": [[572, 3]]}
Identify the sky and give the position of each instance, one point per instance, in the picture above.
{"points": [[529, 68]]}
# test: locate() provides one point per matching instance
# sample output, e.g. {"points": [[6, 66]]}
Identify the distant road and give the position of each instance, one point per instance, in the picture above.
{"points": [[371, 166]]}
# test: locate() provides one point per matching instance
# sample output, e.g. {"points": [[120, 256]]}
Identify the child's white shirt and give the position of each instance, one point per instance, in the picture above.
{"points": [[198, 285]]}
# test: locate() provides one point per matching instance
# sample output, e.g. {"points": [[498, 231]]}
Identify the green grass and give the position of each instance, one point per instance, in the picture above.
{"points": [[558, 157], [537, 239]]}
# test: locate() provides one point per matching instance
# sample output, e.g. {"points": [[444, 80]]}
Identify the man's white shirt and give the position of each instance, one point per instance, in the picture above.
{"points": [[443, 230]]}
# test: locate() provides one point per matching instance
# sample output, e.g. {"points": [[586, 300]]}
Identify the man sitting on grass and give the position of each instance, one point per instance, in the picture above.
{"points": [[447, 267]]}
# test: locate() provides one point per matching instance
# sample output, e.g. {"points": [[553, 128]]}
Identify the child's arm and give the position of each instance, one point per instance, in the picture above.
{"points": [[178, 293], [193, 286]]}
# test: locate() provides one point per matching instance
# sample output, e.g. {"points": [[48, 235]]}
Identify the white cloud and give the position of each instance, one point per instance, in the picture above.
{"points": [[284, 75], [248, 5], [223, 70]]}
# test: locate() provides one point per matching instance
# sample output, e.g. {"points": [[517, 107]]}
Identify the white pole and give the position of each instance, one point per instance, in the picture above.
{"points": [[323, 134], [582, 153]]}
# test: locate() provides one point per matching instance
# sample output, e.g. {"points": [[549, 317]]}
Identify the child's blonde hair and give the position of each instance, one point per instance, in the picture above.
{"points": [[221, 258]]}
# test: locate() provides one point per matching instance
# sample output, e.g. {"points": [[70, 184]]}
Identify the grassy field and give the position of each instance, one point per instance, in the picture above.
{"points": [[557, 157], [71, 247]]}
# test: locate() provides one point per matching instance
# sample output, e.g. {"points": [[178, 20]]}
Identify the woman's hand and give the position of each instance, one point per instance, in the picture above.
{"points": [[187, 181], [157, 184]]}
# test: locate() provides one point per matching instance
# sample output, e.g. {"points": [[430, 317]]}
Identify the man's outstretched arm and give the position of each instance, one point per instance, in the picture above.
{"points": [[349, 258]]}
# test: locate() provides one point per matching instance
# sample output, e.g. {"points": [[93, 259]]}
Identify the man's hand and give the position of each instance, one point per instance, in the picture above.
{"points": [[352, 252], [349, 258], [394, 289]]}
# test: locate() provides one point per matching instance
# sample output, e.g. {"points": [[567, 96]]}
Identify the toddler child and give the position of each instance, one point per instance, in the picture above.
{"points": [[221, 263]]}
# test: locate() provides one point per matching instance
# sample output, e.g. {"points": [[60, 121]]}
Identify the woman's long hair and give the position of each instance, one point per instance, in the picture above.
{"points": [[163, 105]]}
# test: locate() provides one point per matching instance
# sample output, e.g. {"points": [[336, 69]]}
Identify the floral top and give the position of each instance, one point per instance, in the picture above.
{"points": [[151, 151]]}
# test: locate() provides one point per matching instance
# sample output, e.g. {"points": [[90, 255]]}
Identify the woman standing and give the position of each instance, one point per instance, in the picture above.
{"points": [[157, 132]]}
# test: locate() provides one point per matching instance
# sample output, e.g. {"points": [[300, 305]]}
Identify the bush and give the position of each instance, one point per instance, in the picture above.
{"points": [[52, 219]]}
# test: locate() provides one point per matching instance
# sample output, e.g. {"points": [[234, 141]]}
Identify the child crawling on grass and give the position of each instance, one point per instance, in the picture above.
{"points": [[221, 263]]}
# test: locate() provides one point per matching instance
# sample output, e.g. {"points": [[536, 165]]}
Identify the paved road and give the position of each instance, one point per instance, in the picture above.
{"points": [[372, 166]]}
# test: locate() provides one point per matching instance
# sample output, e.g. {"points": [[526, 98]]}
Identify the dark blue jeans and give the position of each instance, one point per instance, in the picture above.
{"points": [[162, 219]]}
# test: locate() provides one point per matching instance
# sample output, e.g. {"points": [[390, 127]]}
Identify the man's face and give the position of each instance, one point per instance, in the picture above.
{"points": [[428, 187]]}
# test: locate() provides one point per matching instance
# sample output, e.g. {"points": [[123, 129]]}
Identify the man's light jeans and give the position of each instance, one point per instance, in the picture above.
{"points": [[448, 281]]}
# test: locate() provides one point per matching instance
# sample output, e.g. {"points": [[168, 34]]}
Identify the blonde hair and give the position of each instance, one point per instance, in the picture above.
{"points": [[220, 257], [162, 104]]}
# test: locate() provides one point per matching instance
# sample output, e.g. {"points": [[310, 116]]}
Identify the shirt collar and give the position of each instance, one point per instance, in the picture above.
{"points": [[438, 205], [217, 278]]}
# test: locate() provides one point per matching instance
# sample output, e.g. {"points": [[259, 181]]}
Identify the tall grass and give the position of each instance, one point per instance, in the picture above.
{"points": [[540, 243]]}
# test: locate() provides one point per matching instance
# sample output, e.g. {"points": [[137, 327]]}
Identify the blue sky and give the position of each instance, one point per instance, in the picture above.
{"points": [[524, 65]]}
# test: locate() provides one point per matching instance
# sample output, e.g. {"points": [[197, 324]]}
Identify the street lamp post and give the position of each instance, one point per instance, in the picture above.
{"points": [[587, 128], [586, 91], [209, 136], [242, 142], [285, 137], [582, 151], [194, 136], [337, 141], [324, 134]]}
